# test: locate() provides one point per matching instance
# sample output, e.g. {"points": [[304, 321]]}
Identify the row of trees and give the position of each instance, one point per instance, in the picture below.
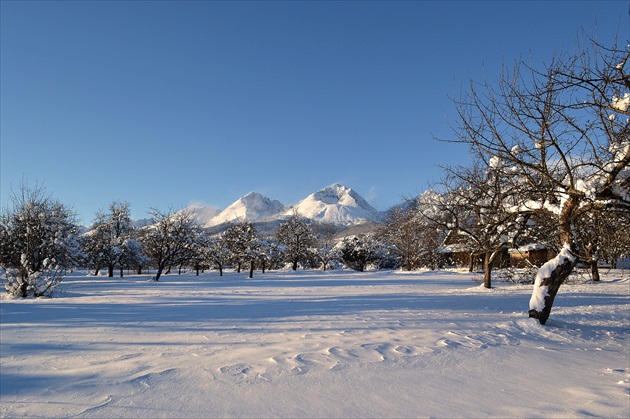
{"points": [[40, 241]]}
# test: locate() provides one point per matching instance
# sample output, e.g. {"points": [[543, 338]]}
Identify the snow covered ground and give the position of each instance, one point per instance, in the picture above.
{"points": [[325, 344]]}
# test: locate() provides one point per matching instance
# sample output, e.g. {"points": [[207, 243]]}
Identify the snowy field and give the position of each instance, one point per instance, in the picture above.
{"points": [[315, 344]]}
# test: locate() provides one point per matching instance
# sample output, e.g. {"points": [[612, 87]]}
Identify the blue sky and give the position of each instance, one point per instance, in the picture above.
{"points": [[168, 103]]}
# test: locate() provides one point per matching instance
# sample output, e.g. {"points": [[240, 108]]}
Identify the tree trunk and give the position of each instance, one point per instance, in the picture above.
{"points": [[594, 269], [97, 270], [294, 265], [471, 267], [168, 271], [110, 271], [561, 266], [159, 273], [220, 270], [251, 269], [487, 270], [238, 268], [121, 272], [139, 270], [264, 263]]}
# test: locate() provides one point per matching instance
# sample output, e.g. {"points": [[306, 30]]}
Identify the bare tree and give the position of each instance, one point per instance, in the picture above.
{"points": [[325, 239], [111, 242], [241, 241], [297, 236], [564, 132], [170, 238]]}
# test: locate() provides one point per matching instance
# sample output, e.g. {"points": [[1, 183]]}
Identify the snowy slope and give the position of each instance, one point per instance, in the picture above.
{"points": [[251, 207], [203, 213], [336, 204], [314, 344]]}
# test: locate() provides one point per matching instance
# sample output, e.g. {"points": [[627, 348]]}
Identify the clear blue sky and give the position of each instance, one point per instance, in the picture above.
{"points": [[168, 103]]}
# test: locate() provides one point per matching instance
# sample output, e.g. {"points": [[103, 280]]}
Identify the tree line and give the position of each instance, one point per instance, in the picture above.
{"points": [[40, 241]]}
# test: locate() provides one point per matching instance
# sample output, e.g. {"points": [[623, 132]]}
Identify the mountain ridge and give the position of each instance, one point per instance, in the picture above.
{"points": [[334, 204]]}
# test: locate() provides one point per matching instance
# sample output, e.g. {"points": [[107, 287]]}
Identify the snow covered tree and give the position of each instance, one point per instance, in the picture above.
{"points": [[564, 133], [38, 243], [476, 206], [217, 254], [170, 239], [357, 252], [325, 239], [112, 240], [298, 239], [241, 241]]}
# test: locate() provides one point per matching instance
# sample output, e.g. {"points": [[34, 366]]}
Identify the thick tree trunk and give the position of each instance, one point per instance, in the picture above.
{"points": [[110, 271], [251, 269], [294, 265], [220, 270], [139, 270], [553, 273], [548, 280], [168, 271], [97, 270], [238, 268]]}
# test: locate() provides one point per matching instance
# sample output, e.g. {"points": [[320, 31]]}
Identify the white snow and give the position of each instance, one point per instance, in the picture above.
{"points": [[251, 207], [314, 344], [622, 103], [336, 204]]}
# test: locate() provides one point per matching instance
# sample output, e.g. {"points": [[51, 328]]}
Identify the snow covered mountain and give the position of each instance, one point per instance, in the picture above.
{"points": [[203, 213], [336, 204], [251, 207]]}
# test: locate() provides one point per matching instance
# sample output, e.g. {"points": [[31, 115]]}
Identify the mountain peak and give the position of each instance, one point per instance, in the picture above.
{"points": [[337, 204], [251, 207]]}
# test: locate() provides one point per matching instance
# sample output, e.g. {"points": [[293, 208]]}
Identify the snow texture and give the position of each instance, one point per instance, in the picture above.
{"points": [[314, 344]]}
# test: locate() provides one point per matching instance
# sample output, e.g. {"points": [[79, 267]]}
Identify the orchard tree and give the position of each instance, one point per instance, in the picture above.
{"points": [[325, 235], [241, 241], [298, 239], [564, 133], [218, 254], [477, 206], [112, 240], [38, 242], [170, 239], [357, 252]]}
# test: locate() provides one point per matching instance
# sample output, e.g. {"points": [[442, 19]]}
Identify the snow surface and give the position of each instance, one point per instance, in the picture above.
{"points": [[315, 344]]}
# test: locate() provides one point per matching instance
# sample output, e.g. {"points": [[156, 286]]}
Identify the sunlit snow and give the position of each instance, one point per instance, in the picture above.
{"points": [[315, 344]]}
